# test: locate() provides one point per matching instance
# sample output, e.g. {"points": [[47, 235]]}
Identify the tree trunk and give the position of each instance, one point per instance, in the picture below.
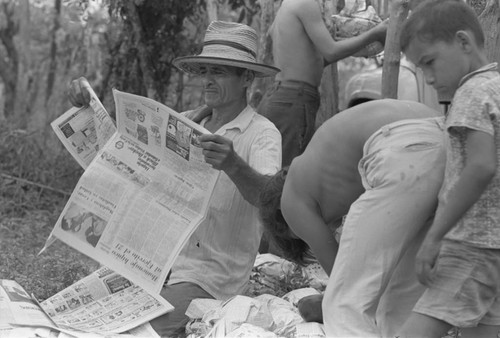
{"points": [[490, 20], [212, 10], [9, 57], [265, 53], [392, 51], [142, 51], [26, 79], [53, 51]]}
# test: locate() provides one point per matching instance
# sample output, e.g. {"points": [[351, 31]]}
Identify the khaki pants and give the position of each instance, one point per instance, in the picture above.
{"points": [[373, 286]]}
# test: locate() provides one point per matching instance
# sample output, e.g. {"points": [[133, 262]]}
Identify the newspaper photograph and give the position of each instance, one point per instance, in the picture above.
{"points": [[145, 193], [104, 301], [84, 131]]}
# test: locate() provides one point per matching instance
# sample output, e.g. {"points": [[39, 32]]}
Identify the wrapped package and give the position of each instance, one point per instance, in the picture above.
{"points": [[352, 23], [294, 296], [309, 330], [285, 314], [237, 311]]}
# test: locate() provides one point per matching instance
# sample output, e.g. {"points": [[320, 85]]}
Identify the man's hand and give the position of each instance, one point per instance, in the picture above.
{"points": [[78, 93], [425, 263], [218, 151], [310, 308], [198, 114], [380, 31]]}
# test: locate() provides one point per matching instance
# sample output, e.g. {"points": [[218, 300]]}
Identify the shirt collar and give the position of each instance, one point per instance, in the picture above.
{"points": [[241, 122], [487, 68]]}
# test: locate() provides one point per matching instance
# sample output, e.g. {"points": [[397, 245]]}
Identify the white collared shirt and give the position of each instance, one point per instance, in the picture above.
{"points": [[220, 254]]}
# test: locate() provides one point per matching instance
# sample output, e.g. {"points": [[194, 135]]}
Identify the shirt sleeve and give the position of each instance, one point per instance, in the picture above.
{"points": [[474, 109], [265, 154]]}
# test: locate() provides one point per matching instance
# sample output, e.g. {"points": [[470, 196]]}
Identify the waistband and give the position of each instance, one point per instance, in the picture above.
{"points": [[420, 128], [438, 121], [299, 85]]}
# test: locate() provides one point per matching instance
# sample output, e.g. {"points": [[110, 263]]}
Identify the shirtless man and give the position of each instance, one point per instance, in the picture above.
{"points": [[382, 172], [302, 46]]}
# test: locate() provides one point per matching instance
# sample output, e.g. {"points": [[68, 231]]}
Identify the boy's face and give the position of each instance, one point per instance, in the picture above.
{"points": [[443, 64]]}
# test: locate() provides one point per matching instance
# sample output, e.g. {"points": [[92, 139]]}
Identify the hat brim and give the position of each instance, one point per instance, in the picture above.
{"points": [[191, 64]]}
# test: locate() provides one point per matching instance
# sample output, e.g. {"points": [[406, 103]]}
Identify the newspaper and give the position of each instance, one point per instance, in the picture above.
{"points": [[142, 196], [84, 131], [103, 302], [18, 308]]}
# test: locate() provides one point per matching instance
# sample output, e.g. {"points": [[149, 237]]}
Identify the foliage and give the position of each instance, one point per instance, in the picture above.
{"points": [[29, 178], [152, 35]]}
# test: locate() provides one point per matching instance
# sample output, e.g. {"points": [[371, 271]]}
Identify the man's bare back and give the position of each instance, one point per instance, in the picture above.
{"points": [[302, 44], [327, 171], [293, 50]]}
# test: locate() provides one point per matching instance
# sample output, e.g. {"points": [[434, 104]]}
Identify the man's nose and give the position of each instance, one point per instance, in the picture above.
{"points": [[207, 79]]}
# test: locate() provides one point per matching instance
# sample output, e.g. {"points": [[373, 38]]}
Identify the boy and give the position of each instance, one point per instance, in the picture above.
{"points": [[459, 259]]}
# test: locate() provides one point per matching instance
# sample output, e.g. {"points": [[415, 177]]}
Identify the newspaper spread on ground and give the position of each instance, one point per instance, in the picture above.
{"points": [[84, 131], [104, 301], [101, 303], [143, 195]]}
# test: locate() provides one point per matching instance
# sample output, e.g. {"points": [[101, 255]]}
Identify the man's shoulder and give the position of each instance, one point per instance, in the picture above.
{"points": [[260, 121], [293, 10]]}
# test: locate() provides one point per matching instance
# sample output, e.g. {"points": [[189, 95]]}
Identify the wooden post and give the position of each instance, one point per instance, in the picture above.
{"points": [[329, 87], [392, 52]]}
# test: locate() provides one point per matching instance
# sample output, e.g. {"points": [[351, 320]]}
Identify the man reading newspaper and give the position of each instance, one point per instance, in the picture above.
{"points": [[217, 259]]}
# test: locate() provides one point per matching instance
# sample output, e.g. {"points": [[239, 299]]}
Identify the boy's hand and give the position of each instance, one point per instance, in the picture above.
{"points": [[78, 92], [425, 263]]}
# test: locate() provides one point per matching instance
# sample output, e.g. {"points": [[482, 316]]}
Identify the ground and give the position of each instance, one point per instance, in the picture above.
{"points": [[21, 238]]}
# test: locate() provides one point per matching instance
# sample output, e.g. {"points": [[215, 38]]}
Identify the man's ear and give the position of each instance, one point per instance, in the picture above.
{"points": [[466, 40], [249, 76]]}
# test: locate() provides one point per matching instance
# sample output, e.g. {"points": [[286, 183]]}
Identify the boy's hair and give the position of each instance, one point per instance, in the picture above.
{"points": [[294, 249], [440, 20]]}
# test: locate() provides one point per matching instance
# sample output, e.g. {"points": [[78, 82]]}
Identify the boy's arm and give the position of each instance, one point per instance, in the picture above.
{"points": [[479, 169], [304, 218]]}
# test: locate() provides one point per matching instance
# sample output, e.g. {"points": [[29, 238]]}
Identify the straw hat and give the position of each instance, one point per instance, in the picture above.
{"points": [[227, 44]]}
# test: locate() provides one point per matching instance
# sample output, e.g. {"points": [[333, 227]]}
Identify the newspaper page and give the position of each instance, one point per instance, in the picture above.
{"points": [[104, 301], [18, 308], [84, 131], [145, 193]]}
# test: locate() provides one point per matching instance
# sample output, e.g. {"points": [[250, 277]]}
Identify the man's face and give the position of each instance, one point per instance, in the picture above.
{"points": [[443, 64], [222, 85]]}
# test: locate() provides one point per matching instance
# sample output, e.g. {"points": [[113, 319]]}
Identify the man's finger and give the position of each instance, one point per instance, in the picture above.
{"points": [[85, 90]]}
